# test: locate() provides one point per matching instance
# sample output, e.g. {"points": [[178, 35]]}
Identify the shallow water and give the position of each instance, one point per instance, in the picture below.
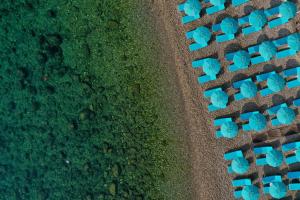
{"points": [[80, 117]]}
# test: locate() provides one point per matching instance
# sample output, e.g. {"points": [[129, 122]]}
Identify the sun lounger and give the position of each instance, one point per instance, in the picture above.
{"points": [[282, 16], [213, 106], [228, 28], [240, 183], [273, 110], [292, 41], [247, 89], [201, 37], [195, 13], [239, 60], [231, 129], [284, 114], [211, 68], [232, 155], [254, 22], [258, 151], [292, 73], [214, 8], [275, 83], [291, 176], [292, 146]]}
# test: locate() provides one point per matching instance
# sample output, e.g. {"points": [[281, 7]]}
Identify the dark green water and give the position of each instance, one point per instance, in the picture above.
{"points": [[80, 113]]}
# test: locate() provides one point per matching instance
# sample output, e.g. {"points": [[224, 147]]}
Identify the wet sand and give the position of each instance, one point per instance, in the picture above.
{"points": [[208, 169]]}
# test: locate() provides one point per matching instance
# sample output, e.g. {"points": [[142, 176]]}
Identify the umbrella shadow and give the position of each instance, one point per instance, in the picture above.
{"points": [[248, 9], [232, 48], [278, 99]]}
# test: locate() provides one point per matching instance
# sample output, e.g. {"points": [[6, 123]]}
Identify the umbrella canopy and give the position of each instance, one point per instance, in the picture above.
{"points": [[250, 192], [211, 67], [285, 115], [240, 165], [274, 158], [294, 41], [288, 10], [229, 129], [257, 122], [277, 190], [192, 8], [229, 25], [258, 18], [241, 58], [267, 50], [202, 34], [219, 99], [276, 82], [248, 89], [217, 2]]}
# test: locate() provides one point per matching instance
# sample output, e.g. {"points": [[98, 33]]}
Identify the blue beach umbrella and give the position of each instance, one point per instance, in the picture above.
{"points": [[202, 35], [288, 10], [294, 41], [219, 99], [229, 130], [275, 83], [241, 59], [248, 89], [274, 158], [285, 115], [217, 2], [250, 192], [240, 165], [258, 18], [229, 25], [267, 50], [257, 122], [211, 67], [192, 8], [277, 190]]}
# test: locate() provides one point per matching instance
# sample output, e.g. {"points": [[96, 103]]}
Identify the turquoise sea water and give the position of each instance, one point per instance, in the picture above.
{"points": [[79, 113]]}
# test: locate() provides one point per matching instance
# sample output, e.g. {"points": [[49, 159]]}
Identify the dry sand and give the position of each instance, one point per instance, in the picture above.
{"points": [[210, 180]]}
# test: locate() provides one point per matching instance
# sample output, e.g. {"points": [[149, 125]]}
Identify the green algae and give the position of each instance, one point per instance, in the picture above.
{"points": [[81, 113]]}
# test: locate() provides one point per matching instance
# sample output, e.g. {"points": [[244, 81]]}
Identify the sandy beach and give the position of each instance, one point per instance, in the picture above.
{"points": [[210, 180]]}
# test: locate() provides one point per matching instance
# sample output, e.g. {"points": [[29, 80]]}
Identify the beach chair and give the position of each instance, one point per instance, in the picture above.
{"points": [[211, 68], [281, 14], [237, 160], [218, 98], [292, 176], [293, 74], [239, 60], [192, 9], [294, 147], [296, 102], [201, 37], [215, 6], [292, 42], [267, 155], [253, 22], [239, 184], [226, 30], [247, 89], [227, 128], [274, 186], [284, 114], [266, 51], [236, 3], [275, 83], [253, 121]]}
